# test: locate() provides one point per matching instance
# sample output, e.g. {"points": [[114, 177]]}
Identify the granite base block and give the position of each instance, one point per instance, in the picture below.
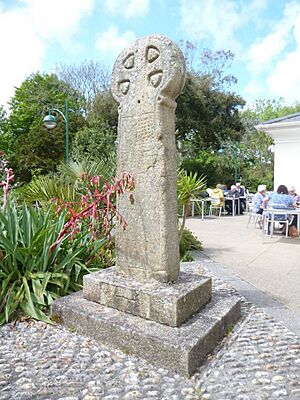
{"points": [[167, 304], [181, 349]]}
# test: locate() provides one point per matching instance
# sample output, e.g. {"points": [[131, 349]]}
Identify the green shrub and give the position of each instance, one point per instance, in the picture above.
{"points": [[188, 242], [32, 276]]}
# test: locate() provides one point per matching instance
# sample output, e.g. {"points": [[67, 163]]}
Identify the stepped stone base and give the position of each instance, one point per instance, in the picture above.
{"points": [[167, 304], [181, 349]]}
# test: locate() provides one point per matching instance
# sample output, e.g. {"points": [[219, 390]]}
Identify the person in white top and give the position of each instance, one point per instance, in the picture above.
{"points": [[258, 199]]}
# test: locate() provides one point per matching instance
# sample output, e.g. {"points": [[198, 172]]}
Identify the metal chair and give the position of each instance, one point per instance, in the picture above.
{"points": [[215, 205], [255, 218], [278, 218]]}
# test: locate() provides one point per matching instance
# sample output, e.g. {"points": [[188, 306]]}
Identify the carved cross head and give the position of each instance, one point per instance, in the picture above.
{"points": [[151, 70]]}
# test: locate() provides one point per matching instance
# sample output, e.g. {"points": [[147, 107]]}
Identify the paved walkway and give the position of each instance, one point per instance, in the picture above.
{"points": [[271, 265], [258, 360]]}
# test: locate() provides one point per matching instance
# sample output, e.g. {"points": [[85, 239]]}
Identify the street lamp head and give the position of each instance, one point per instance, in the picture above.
{"points": [[50, 121]]}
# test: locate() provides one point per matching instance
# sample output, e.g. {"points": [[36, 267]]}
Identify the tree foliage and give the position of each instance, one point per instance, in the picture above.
{"points": [[5, 137], [207, 114], [216, 167], [104, 108], [89, 78], [95, 141], [206, 117], [34, 148], [265, 109]]}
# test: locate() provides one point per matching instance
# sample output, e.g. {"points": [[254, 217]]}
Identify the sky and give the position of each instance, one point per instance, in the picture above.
{"points": [[264, 35]]}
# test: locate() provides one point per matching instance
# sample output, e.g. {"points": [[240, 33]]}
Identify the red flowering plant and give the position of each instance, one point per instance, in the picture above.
{"points": [[7, 177], [97, 208]]}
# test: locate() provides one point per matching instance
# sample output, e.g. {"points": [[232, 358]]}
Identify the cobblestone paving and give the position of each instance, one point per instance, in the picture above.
{"points": [[259, 359]]}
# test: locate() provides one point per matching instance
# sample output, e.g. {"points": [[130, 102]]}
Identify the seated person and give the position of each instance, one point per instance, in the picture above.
{"points": [[217, 193], [258, 199], [283, 199], [297, 200], [208, 191], [292, 191], [225, 190], [241, 190], [233, 193]]}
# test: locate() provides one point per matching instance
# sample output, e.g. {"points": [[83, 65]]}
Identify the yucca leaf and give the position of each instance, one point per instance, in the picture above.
{"points": [[10, 304], [5, 283]]}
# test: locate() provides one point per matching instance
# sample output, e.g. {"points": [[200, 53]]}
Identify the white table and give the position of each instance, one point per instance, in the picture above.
{"points": [[202, 204], [282, 211], [234, 200]]}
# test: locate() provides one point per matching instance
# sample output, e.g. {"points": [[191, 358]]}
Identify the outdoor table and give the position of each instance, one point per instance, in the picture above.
{"points": [[202, 204], [282, 211], [235, 200]]}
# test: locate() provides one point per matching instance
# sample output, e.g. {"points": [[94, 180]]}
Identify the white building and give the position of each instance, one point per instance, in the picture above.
{"points": [[285, 132]]}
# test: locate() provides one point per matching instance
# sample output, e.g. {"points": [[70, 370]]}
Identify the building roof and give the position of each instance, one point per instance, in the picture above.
{"points": [[287, 118]]}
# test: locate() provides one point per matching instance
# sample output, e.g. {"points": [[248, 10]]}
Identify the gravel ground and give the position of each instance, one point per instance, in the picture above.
{"points": [[259, 359]]}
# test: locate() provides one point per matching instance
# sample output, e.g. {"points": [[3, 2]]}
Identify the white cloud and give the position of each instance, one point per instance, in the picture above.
{"points": [[271, 58], [264, 50], [111, 43], [284, 81], [218, 20], [56, 19], [127, 8], [25, 29]]}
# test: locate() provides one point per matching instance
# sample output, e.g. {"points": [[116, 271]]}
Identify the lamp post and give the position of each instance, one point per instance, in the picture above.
{"points": [[235, 158], [50, 122]]}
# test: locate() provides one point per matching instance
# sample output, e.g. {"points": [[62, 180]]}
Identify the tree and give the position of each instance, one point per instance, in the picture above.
{"points": [[5, 137], [206, 117], [216, 167], [88, 78], [265, 109], [105, 108], [95, 141], [208, 63], [34, 148], [207, 113]]}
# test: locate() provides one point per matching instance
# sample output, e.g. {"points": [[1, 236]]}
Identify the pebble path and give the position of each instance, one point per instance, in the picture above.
{"points": [[258, 360]]}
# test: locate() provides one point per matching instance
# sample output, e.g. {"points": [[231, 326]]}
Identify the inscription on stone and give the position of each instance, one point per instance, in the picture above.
{"points": [[147, 78]]}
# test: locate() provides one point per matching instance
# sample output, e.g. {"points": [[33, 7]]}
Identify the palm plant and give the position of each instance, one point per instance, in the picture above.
{"points": [[188, 187], [67, 184]]}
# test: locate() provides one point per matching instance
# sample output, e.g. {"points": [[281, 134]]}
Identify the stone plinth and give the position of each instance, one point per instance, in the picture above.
{"points": [[166, 304], [181, 349]]}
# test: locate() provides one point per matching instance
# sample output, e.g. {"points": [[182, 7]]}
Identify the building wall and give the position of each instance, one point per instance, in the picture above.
{"points": [[286, 138], [287, 164]]}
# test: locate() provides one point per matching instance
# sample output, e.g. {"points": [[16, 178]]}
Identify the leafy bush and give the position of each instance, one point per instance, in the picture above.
{"points": [[44, 255], [188, 242], [32, 276], [217, 168]]}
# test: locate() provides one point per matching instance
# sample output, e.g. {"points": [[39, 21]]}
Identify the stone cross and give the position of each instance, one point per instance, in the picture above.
{"points": [[131, 306], [147, 78]]}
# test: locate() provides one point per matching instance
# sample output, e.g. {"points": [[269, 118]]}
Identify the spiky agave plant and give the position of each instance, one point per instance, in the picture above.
{"points": [[188, 187]]}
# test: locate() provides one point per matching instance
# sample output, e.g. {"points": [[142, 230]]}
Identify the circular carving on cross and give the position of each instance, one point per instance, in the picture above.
{"points": [[153, 66]]}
